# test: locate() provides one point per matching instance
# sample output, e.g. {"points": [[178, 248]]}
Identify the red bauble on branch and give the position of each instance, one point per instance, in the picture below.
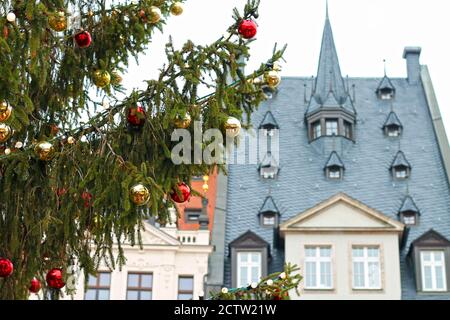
{"points": [[55, 279], [136, 116], [35, 286], [83, 39], [247, 29], [87, 197], [181, 195], [6, 268]]}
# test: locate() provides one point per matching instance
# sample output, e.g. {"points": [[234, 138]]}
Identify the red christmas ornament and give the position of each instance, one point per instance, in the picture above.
{"points": [[248, 29], [183, 194], [6, 268], [136, 116], [35, 286], [83, 39], [87, 197], [55, 279]]}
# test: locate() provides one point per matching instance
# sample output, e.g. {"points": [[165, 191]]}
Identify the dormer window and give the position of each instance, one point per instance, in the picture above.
{"points": [[386, 90], [401, 169], [348, 130], [269, 214], [268, 168], [334, 169], [269, 124], [331, 126], [392, 127], [409, 213], [316, 130]]}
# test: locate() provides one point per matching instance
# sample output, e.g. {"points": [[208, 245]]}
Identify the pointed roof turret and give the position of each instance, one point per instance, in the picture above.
{"points": [[269, 206], [386, 87], [269, 122], [334, 161], [392, 120]]}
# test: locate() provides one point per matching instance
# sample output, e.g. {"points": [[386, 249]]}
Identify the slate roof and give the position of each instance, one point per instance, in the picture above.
{"points": [[302, 184], [334, 161]]}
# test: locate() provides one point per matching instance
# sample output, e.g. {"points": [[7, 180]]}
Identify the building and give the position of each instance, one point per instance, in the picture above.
{"points": [[359, 194], [173, 263]]}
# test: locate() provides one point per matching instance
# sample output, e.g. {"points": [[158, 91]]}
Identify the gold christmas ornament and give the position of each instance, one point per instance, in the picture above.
{"points": [[232, 127], [7, 151], [5, 111], [273, 78], [116, 78], [11, 17], [183, 122], [155, 14], [139, 194], [58, 21], [176, 9], [44, 150], [102, 78], [5, 132], [70, 140]]}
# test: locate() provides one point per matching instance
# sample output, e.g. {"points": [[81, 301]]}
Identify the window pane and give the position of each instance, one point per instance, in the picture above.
{"points": [[133, 280], [310, 274], [243, 257], [325, 274], [243, 281], [184, 296], [439, 278], [255, 274], [255, 257], [358, 252], [438, 256], [186, 284], [105, 279], [426, 256], [146, 295], [374, 275], [373, 252], [103, 294], [92, 282], [310, 252], [90, 294], [325, 252], [331, 127], [358, 274], [146, 280], [132, 295], [427, 283]]}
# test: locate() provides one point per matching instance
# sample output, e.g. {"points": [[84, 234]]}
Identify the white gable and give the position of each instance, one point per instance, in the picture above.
{"points": [[341, 215], [154, 236]]}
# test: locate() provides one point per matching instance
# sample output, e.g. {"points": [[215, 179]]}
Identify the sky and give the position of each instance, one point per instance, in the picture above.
{"points": [[365, 31]]}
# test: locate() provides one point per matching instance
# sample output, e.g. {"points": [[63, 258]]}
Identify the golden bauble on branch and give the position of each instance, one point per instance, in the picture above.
{"points": [[58, 21], [232, 127], [183, 122], [5, 132], [176, 9], [5, 111], [44, 150], [272, 78], [155, 14], [71, 140], [116, 78], [102, 78], [139, 194]]}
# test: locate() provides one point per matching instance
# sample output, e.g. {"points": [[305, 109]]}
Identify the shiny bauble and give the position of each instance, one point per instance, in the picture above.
{"points": [[71, 140], [232, 127], [5, 111], [139, 194], [54, 279], [102, 78], [116, 78], [248, 29], [11, 17], [272, 78], [58, 21], [155, 14], [6, 268], [44, 150], [181, 194], [176, 9], [136, 116], [5, 132], [83, 39], [183, 122], [35, 286]]}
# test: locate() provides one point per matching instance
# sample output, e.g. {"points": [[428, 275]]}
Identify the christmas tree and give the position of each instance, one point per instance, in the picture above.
{"points": [[82, 165]]}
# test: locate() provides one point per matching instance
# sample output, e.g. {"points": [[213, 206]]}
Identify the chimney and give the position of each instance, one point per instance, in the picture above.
{"points": [[412, 56]]}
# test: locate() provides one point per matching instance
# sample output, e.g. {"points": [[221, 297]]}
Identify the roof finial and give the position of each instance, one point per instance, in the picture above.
{"points": [[384, 62], [327, 16]]}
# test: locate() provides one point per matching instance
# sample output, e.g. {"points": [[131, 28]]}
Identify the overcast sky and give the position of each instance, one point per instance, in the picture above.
{"points": [[365, 32]]}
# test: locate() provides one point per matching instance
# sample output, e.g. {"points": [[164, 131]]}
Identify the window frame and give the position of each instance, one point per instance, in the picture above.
{"points": [[139, 289], [191, 292], [192, 211], [397, 169], [409, 214], [366, 260], [348, 130], [263, 215], [334, 121], [317, 259], [97, 287], [334, 169], [316, 130], [444, 266], [249, 265]]}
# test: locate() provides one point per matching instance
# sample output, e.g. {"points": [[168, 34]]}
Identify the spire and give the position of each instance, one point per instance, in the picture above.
{"points": [[329, 71]]}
